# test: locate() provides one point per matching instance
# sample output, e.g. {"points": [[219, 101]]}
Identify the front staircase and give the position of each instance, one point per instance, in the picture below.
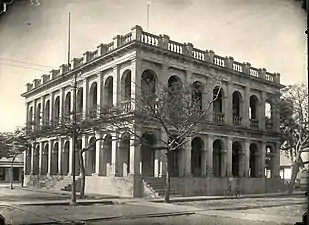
{"points": [[157, 186]]}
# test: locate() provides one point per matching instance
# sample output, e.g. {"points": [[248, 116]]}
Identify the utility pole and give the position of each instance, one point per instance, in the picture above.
{"points": [[74, 138]]}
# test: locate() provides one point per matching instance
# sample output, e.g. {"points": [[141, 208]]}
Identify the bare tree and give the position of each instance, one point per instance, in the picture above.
{"points": [[179, 110], [295, 127]]}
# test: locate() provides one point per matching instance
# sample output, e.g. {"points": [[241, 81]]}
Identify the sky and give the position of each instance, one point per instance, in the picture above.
{"points": [[267, 33]]}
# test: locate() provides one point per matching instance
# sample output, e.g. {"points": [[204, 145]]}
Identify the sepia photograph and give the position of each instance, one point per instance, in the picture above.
{"points": [[154, 112]]}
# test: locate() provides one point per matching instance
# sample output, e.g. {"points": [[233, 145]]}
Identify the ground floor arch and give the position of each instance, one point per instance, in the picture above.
{"points": [[65, 157], [218, 158], [148, 154], [54, 159], [236, 159], [44, 165], [197, 146], [254, 161]]}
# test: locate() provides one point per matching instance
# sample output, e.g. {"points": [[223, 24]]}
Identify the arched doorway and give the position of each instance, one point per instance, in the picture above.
{"points": [[107, 155], [47, 112], [79, 100], [57, 109], [108, 97], [236, 159], [91, 158], [237, 107], [148, 154], [93, 99], [148, 83], [44, 168], [254, 159], [197, 146], [218, 115], [65, 158], [197, 95], [253, 112], [54, 159], [269, 160], [67, 104], [218, 154]]}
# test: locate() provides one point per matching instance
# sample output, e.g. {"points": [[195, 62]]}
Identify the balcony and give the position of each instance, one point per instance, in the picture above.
{"points": [[237, 120], [254, 123], [269, 124], [218, 118]]}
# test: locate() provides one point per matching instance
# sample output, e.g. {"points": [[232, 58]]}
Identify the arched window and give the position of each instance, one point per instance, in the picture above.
{"points": [[197, 95], [109, 91], [237, 104], [218, 96]]}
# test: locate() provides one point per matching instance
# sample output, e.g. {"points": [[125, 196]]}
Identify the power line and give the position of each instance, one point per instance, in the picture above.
{"points": [[25, 67], [17, 61]]}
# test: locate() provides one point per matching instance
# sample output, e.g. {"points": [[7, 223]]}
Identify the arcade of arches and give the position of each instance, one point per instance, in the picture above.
{"points": [[203, 156]]}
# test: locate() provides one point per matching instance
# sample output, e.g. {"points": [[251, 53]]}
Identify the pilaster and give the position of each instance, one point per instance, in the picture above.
{"points": [[85, 96], [98, 157], [262, 159], [246, 105], [60, 141], [116, 83], [204, 158], [49, 165], [228, 111], [246, 158], [229, 156], [187, 151]]}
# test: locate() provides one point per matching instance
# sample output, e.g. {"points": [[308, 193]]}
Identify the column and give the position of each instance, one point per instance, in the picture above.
{"points": [[204, 158], [262, 159], [62, 96], [43, 110], [276, 112], [84, 144], [51, 106], [71, 152], [98, 157], [228, 109], [40, 158], [114, 157], [50, 147], [187, 152], [26, 166], [85, 96], [229, 153], [135, 158], [100, 89], [32, 159], [275, 167], [163, 157], [246, 158], [209, 97], [116, 83], [60, 156], [262, 111], [246, 105], [209, 166], [136, 74], [157, 163]]}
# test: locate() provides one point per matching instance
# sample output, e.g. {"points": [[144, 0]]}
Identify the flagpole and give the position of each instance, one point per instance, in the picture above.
{"points": [[74, 138], [148, 10]]}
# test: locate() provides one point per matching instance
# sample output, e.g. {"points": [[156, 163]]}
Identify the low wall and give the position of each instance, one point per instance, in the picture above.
{"points": [[117, 186], [217, 186], [42, 180]]}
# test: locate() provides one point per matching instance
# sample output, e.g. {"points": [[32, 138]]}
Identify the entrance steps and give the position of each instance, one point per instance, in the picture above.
{"points": [[158, 186]]}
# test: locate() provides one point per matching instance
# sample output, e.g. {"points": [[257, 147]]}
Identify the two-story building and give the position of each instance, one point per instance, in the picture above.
{"points": [[242, 141]]}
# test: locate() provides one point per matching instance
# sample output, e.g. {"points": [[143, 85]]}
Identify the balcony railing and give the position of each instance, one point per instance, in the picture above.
{"points": [[218, 118], [126, 106], [237, 120], [269, 124], [163, 42], [254, 123]]}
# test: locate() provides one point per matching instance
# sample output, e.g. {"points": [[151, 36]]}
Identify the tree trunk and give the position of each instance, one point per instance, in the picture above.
{"points": [[295, 170], [11, 173], [168, 178], [83, 176]]}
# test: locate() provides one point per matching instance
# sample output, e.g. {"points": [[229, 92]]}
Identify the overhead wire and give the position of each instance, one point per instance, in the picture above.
{"points": [[23, 62]]}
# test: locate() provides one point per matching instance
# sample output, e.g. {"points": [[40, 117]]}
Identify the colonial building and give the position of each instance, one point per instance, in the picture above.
{"points": [[241, 145]]}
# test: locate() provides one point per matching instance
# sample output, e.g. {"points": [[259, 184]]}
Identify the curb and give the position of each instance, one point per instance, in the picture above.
{"points": [[55, 203], [209, 198], [150, 215]]}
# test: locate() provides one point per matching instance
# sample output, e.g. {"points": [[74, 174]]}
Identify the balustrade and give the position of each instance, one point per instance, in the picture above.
{"points": [[198, 54], [175, 47], [150, 39], [268, 124], [218, 118], [219, 61], [127, 38], [254, 123], [254, 72], [269, 77], [126, 106], [237, 120], [237, 67]]}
